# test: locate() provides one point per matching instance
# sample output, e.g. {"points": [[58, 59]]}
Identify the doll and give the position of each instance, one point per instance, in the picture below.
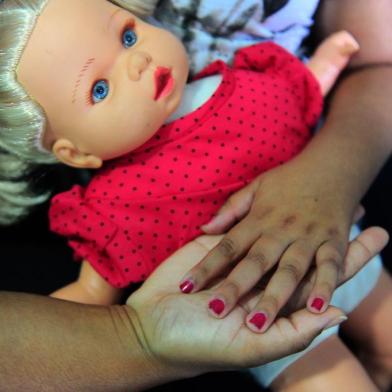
{"points": [[283, 117], [154, 168], [113, 94], [18, 154]]}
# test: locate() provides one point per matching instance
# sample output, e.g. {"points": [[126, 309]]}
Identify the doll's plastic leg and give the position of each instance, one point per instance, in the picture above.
{"points": [[331, 57], [328, 367]]}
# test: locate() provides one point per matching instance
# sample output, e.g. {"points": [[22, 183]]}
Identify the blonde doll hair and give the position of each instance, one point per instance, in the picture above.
{"points": [[22, 121]]}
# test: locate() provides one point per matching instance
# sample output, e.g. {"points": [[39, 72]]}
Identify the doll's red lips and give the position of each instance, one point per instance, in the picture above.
{"points": [[163, 82]]}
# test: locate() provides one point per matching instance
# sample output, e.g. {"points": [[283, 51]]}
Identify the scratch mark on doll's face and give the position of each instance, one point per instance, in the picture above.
{"points": [[80, 77]]}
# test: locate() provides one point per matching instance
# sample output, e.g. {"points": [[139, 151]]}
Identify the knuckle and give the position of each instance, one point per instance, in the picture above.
{"points": [[259, 259], [230, 287], [310, 228], [326, 287], [333, 232], [337, 252], [300, 253], [330, 255], [296, 341], [227, 248], [272, 241], [201, 272], [363, 250], [291, 270], [335, 248], [330, 262], [288, 221], [270, 303]]}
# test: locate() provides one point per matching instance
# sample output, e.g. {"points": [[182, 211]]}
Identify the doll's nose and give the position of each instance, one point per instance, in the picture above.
{"points": [[138, 62]]}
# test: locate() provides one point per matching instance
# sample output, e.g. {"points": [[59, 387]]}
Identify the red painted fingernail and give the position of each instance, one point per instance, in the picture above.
{"points": [[186, 287], [317, 303], [258, 320], [217, 306]]}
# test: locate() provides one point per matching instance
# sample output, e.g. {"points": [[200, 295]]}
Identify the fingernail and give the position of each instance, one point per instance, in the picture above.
{"points": [[258, 320], [217, 306], [186, 287], [317, 303], [336, 321]]}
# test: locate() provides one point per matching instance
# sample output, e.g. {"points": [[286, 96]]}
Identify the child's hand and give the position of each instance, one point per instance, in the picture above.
{"points": [[178, 334], [289, 221], [176, 329]]}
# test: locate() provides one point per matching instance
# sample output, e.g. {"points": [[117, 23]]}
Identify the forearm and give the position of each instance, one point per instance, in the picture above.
{"points": [[56, 345], [356, 139], [357, 136]]}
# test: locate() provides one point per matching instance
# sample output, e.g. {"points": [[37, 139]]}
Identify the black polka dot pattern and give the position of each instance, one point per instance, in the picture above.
{"points": [[140, 208]]}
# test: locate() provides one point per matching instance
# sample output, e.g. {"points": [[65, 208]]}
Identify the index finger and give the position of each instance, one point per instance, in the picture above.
{"points": [[230, 249]]}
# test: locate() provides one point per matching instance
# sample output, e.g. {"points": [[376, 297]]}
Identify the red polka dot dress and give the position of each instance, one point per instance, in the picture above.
{"points": [[141, 207]]}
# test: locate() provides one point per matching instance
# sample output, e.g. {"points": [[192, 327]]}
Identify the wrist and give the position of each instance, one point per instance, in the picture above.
{"points": [[327, 170], [148, 368], [144, 369], [322, 182]]}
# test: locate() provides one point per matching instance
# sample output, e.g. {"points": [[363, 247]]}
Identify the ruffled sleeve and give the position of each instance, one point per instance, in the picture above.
{"points": [[88, 224], [277, 62]]}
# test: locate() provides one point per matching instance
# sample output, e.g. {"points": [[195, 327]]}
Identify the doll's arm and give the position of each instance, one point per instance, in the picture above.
{"points": [[90, 288], [331, 57]]}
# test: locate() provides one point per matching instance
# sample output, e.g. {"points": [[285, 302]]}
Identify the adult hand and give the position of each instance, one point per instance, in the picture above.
{"points": [[288, 220], [162, 336], [177, 330]]}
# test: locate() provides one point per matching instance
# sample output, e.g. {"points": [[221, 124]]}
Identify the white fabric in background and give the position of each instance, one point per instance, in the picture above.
{"points": [[215, 29]]}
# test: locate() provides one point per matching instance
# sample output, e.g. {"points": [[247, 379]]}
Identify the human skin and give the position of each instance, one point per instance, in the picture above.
{"points": [[69, 315], [80, 131], [77, 129], [322, 185], [50, 344], [326, 367], [288, 276]]}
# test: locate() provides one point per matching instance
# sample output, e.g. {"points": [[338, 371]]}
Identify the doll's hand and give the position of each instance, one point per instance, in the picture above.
{"points": [[179, 334], [289, 220]]}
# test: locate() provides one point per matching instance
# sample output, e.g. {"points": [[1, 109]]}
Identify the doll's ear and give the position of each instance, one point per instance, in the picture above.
{"points": [[68, 153]]}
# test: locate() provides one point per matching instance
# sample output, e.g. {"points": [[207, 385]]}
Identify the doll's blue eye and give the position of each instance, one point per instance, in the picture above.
{"points": [[100, 91], [129, 38]]}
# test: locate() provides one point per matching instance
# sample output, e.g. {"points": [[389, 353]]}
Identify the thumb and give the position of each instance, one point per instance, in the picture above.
{"points": [[309, 327], [301, 328], [293, 334], [235, 208]]}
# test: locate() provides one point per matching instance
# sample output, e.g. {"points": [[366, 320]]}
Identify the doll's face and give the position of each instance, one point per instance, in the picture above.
{"points": [[106, 80]]}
